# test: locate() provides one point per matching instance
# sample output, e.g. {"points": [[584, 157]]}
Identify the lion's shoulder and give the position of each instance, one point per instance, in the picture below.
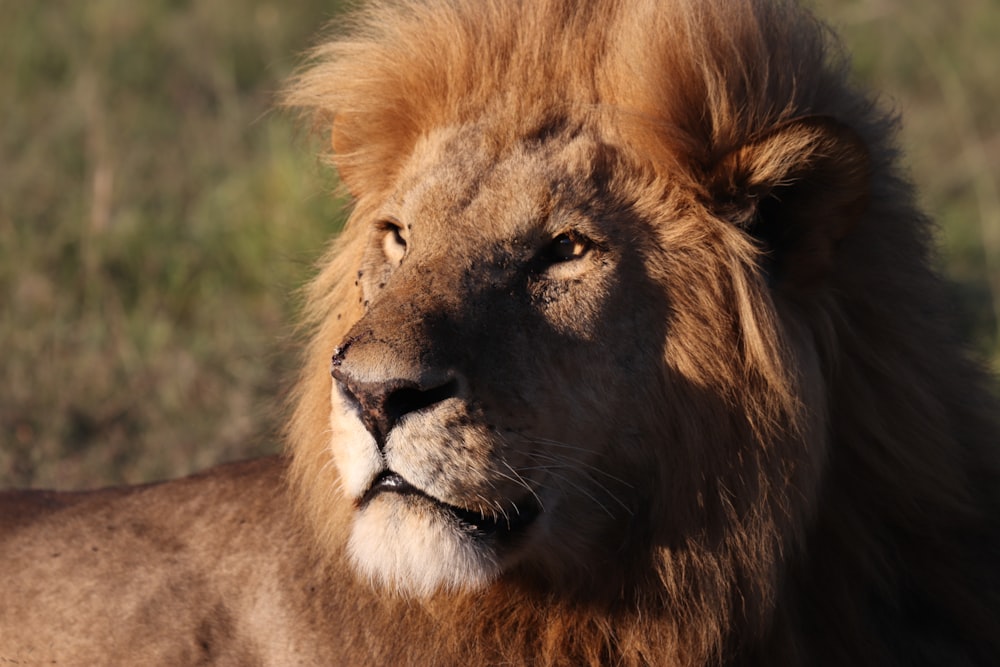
{"points": [[193, 568]]}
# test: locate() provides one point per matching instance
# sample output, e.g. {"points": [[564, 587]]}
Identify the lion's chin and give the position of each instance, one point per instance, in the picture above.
{"points": [[409, 544]]}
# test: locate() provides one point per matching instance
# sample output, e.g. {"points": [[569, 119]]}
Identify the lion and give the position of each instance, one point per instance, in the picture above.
{"points": [[631, 353]]}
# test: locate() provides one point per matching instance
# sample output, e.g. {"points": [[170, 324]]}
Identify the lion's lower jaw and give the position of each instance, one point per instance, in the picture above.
{"points": [[415, 551]]}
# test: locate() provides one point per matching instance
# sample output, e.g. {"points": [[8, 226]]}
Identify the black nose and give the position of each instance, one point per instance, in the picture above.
{"points": [[381, 404]]}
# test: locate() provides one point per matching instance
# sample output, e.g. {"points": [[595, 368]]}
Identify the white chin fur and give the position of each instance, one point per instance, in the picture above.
{"points": [[403, 545], [354, 451]]}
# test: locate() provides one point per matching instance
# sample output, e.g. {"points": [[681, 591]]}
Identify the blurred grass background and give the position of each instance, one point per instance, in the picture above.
{"points": [[157, 215]]}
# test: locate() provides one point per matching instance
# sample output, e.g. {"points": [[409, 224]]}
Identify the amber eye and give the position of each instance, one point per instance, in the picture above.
{"points": [[566, 247], [393, 243]]}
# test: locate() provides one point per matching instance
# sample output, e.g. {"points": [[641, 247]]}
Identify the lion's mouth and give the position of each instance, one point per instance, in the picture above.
{"points": [[494, 525]]}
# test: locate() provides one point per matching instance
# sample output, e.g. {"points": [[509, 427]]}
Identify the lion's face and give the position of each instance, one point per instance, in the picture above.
{"points": [[565, 360], [485, 406]]}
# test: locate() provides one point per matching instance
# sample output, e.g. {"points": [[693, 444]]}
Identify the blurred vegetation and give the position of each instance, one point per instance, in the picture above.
{"points": [[938, 64], [157, 216]]}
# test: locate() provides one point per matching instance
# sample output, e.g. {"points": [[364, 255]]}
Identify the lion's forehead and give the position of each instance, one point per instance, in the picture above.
{"points": [[461, 183]]}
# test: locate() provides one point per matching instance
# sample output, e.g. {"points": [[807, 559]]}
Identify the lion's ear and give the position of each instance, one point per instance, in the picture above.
{"points": [[797, 191]]}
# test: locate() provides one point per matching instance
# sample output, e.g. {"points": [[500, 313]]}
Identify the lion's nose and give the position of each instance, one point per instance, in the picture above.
{"points": [[381, 404]]}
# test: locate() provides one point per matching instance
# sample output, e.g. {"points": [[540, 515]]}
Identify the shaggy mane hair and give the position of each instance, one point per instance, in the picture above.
{"points": [[884, 549]]}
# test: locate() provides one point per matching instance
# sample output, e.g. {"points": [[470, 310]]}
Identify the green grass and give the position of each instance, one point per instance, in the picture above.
{"points": [[157, 216], [938, 63]]}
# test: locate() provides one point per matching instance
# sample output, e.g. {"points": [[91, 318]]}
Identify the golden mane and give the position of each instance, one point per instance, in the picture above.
{"points": [[690, 92]]}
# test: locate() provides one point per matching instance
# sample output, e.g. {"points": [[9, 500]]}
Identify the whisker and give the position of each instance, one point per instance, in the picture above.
{"points": [[574, 462], [517, 479], [562, 464], [552, 470], [495, 508], [558, 443], [578, 487]]}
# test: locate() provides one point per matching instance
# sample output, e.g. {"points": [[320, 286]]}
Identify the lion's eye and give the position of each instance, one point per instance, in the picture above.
{"points": [[566, 247], [393, 243]]}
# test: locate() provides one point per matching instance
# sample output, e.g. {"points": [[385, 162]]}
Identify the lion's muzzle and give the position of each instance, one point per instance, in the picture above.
{"points": [[382, 402]]}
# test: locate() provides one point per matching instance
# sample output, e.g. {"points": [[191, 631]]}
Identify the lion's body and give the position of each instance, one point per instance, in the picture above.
{"points": [[211, 569], [151, 575], [637, 358]]}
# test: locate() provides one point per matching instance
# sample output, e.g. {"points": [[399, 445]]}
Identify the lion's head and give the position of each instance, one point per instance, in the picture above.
{"points": [[612, 274], [526, 383]]}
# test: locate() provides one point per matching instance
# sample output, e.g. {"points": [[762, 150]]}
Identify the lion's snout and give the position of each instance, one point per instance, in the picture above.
{"points": [[382, 402]]}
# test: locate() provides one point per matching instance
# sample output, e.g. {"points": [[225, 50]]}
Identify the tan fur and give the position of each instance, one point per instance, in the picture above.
{"points": [[729, 417]]}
